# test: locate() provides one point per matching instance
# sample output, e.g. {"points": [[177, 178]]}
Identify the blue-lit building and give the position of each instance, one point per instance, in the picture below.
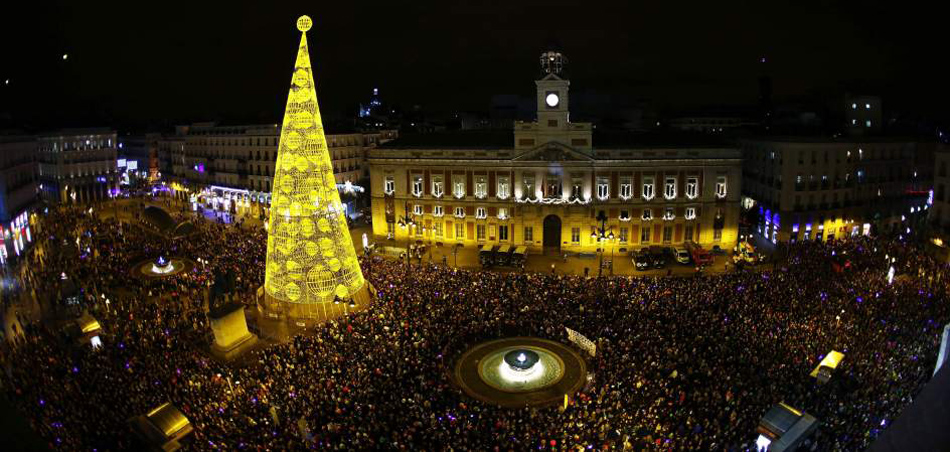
{"points": [[18, 193], [832, 188]]}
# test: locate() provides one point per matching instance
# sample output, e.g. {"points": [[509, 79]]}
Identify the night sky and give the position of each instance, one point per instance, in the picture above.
{"points": [[131, 65]]}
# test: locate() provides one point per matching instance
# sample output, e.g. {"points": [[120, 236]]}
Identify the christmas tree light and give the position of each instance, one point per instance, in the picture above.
{"points": [[311, 261]]}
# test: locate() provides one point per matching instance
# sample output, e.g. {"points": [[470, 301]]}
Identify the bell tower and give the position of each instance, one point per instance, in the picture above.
{"points": [[553, 92], [554, 121]]}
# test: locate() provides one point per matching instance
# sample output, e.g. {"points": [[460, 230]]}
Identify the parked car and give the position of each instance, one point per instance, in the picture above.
{"points": [[486, 256], [519, 256], [657, 257], [642, 260], [503, 255], [699, 255], [682, 256]]}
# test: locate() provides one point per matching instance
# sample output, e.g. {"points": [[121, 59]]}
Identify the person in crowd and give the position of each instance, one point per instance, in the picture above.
{"points": [[681, 364]]}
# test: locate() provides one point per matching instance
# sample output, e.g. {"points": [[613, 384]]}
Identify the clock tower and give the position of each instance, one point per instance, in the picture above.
{"points": [[554, 122], [552, 92]]}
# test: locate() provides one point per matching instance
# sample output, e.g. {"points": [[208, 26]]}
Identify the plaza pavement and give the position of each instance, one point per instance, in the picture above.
{"points": [[466, 257]]}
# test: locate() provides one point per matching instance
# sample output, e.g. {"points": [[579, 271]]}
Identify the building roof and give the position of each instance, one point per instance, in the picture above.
{"points": [[78, 132], [622, 139], [462, 139], [167, 419], [923, 424], [602, 139], [216, 129], [842, 139], [159, 219], [17, 138], [164, 224]]}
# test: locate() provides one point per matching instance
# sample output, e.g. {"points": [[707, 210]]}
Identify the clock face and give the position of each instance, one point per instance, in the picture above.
{"points": [[551, 99]]}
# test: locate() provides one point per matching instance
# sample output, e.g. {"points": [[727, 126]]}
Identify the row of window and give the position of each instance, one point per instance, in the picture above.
{"points": [[481, 213], [623, 237], [272, 141], [554, 189], [872, 154], [79, 145]]}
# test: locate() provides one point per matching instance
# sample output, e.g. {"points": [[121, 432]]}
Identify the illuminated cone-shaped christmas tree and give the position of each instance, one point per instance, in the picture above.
{"points": [[312, 270]]}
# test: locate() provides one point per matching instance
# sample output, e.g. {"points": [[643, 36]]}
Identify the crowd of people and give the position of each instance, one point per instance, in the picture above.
{"points": [[686, 363]]}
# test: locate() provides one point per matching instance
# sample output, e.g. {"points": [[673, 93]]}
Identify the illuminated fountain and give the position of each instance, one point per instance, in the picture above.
{"points": [[520, 371], [521, 365], [162, 266]]}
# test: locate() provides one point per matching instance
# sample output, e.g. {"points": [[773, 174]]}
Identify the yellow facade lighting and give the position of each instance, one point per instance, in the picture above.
{"points": [[311, 260]]}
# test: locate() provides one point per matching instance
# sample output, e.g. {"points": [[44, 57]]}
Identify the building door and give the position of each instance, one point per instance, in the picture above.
{"points": [[552, 232]]}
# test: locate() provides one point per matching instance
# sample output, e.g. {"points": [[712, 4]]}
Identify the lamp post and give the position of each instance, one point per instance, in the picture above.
{"points": [[602, 234], [406, 223]]}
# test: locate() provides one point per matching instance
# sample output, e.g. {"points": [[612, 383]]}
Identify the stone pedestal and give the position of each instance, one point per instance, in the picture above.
{"points": [[231, 337]]}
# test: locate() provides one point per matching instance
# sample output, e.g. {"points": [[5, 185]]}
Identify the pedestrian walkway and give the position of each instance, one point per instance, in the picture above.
{"points": [[467, 257]]}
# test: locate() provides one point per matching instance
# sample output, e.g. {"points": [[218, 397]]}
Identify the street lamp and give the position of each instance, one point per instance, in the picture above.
{"points": [[427, 234], [602, 234], [406, 223]]}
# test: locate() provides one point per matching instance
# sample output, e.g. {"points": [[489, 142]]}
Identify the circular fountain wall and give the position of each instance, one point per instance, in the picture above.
{"points": [[520, 371]]}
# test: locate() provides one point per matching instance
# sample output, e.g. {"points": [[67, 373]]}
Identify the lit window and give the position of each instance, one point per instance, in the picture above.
{"points": [[528, 189], [553, 187], [503, 232], [645, 235], [481, 187], [692, 187], [438, 229], [417, 186], [690, 213], [623, 235], [575, 235], [480, 231], [669, 188], [669, 215], [459, 212], [459, 230], [648, 192], [437, 211], [867, 106], [438, 188], [603, 188], [458, 186], [417, 209], [502, 213], [647, 215], [626, 188], [854, 121], [528, 234], [867, 123], [624, 215], [504, 187], [721, 187], [854, 106], [481, 213]]}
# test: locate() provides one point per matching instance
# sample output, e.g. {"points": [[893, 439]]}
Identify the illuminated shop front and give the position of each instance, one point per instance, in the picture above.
{"points": [[15, 236], [231, 200]]}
